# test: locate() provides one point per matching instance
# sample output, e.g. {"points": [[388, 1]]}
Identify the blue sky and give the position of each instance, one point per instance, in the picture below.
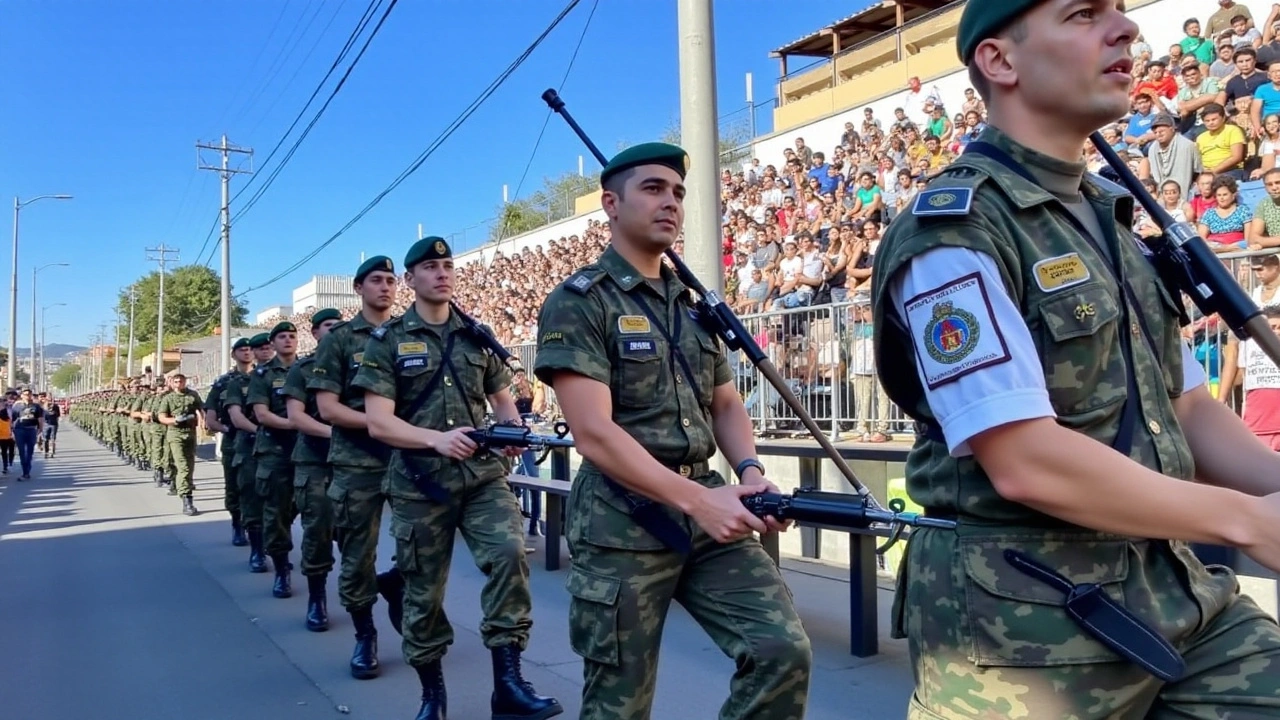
{"points": [[105, 100]]}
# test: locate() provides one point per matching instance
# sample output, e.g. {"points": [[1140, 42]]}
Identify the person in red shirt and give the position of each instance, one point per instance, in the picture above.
{"points": [[1158, 81], [1261, 386]]}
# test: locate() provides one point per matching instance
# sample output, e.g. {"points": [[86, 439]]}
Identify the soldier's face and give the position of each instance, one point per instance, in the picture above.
{"points": [[319, 332], [432, 280], [244, 355], [1068, 59], [378, 290], [285, 343], [651, 208], [263, 354], [179, 383]]}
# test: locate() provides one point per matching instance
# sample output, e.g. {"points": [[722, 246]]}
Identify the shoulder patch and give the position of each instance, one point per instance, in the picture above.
{"points": [[379, 332], [951, 201], [262, 370], [1106, 185], [583, 280], [954, 330]]}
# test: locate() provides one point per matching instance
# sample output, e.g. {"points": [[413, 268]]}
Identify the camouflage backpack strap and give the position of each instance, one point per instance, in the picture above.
{"points": [[582, 281]]}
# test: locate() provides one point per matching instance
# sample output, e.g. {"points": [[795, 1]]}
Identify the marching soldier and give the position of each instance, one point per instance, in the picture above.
{"points": [[648, 393], [219, 421], [161, 459], [241, 414], [272, 449], [312, 476], [359, 462], [181, 412], [426, 379], [1064, 420]]}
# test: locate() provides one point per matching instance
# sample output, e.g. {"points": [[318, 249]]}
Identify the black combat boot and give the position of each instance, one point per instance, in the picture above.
{"points": [[158, 476], [173, 485], [257, 561], [513, 696], [391, 588], [282, 588], [435, 706], [237, 533], [317, 604], [188, 507], [364, 659]]}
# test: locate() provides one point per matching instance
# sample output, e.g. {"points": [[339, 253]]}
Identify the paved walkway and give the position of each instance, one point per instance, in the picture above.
{"points": [[113, 605]]}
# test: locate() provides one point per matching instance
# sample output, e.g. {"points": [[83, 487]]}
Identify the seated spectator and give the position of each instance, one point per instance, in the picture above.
{"points": [[1268, 147], [1222, 145], [1266, 99], [1173, 201], [1194, 44], [1247, 79], [1157, 82], [1264, 231], [1226, 225], [1198, 92]]}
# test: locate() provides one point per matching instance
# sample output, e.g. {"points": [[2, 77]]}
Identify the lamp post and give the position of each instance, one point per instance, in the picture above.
{"points": [[34, 272], [13, 284], [39, 378]]}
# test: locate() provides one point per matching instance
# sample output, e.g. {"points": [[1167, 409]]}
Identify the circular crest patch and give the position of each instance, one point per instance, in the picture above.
{"points": [[439, 247], [952, 333], [942, 199]]}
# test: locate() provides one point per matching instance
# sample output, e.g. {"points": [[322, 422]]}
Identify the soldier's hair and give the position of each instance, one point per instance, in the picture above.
{"points": [[1016, 32], [1271, 311], [618, 181]]}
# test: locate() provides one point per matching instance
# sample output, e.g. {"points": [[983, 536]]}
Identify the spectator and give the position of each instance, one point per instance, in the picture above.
{"points": [[1173, 201], [1224, 65], [1172, 156], [1203, 198], [1194, 44], [1144, 112], [1224, 18], [915, 98], [1226, 225], [1268, 148], [1244, 34], [1246, 80], [1197, 93], [1222, 145], [974, 104], [1157, 82], [1264, 231], [1266, 99]]}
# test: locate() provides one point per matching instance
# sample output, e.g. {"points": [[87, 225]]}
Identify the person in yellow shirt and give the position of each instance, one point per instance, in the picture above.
{"points": [[1222, 145]]}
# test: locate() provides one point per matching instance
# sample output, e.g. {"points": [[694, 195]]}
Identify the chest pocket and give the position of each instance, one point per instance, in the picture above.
{"points": [[473, 367], [640, 371], [1084, 367], [708, 356]]}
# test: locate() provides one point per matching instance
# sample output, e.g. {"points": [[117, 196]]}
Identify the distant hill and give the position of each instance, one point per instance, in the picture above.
{"points": [[54, 351]]}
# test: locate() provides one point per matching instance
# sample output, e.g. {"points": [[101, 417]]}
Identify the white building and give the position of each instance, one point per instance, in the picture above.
{"points": [[325, 291], [266, 315]]}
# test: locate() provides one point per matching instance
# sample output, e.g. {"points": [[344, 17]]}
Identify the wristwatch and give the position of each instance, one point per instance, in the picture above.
{"points": [[749, 462]]}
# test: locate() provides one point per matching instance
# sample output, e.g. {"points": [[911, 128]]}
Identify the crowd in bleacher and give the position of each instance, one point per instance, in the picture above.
{"points": [[802, 230]]}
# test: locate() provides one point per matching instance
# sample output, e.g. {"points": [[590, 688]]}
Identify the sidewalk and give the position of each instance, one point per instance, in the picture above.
{"points": [[115, 605]]}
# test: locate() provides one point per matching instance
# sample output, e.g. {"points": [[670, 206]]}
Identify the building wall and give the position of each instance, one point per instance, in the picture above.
{"points": [[323, 291], [266, 314]]}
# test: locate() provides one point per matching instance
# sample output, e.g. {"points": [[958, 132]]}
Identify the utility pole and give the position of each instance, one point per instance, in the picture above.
{"points": [[226, 171], [133, 298], [161, 255], [700, 136], [102, 361], [116, 351]]}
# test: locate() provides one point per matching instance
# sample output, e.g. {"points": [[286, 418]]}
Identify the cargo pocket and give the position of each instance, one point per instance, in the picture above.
{"points": [[593, 618], [341, 509], [1018, 621], [610, 524], [406, 545]]}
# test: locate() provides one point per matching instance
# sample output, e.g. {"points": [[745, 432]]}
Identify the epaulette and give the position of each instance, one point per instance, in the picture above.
{"points": [[1106, 185], [950, 193], [381, 331], [582, 281], [261, 371]]}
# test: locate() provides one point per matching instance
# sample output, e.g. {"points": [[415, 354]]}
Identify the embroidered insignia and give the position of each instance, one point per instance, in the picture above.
{"points": [[1061, 272], [633, 324], [943, 201]]}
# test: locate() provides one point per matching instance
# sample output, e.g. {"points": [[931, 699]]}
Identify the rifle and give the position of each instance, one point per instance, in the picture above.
{"points": [[1186, 264], [718, 319], [498, 436], [810, 505]]}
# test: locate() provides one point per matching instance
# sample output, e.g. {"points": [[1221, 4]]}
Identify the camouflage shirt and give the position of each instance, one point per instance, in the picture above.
{"points": [[595, 324], [266, 387], [401, 359], [309, 450], [233, 395], [214, 402], [181, 404], [337, 360]]}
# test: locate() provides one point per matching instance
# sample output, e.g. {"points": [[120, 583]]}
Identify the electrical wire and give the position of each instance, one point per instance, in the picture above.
{"points": [[422, 158]]}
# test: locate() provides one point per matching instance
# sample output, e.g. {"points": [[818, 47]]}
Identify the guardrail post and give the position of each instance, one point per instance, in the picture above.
{"points": [[555, 508]]}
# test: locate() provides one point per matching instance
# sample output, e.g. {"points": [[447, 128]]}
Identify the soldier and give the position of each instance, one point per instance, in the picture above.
{"points": [[359, 462], [312, 475], [161, 459], [426, 379], [219, 421], [182, 413], [647, 393], [241, 414], [271, 451], [1063, 418]]}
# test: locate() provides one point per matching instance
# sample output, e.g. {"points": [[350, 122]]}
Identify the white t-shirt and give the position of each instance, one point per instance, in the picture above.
{"points": [[790, 266], [1001, 380]]}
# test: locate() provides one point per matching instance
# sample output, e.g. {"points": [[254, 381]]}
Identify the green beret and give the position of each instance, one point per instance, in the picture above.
{"points": [[259, 340], [283, 326], [984, 20], [428, 248], [377, 262], [240, 343], [671, 156], [325, 314]]}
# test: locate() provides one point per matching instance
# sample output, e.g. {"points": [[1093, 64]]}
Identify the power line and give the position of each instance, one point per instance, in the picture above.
{"points": [[422, 158]]}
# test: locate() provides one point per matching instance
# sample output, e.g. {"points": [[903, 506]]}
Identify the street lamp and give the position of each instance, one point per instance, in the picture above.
{"points": [[39, 379], [34, 272], [13, 285]]}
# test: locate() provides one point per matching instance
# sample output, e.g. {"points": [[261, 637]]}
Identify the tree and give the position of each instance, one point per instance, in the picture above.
{"points": [[192, 305], [64, 377], [22, 377], [553, 202], [735, 142]]}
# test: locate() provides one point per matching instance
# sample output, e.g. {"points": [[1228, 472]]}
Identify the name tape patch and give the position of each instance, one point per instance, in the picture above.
{"points": [[640, 347], [411, 348], [633, 324], [954, 331], [412, 362], [1058, 273], [277, 383]]}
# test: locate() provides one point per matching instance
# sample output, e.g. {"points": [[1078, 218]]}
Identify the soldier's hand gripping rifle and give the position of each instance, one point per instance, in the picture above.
{"points": [[500, 436], [717, 318], [1187, 265]]}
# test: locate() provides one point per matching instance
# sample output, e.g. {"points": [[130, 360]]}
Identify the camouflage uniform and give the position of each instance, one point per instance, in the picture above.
{"points": [[181, 441], [246, 471], [623, 577], [311, 478], [271, 451], [161, 459], [985, 639], [213, 403]]}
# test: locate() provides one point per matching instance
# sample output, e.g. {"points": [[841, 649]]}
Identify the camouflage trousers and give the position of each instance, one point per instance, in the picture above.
{"points": [[622, 582], [182, 453], [489, 519], [250, 500], [310, 496], [987, 641], [160, 457], [230, 485], [275, 487], [356, 493]]}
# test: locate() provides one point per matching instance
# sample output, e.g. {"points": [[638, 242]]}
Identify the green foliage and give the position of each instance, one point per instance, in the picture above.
{"points": [[64, 377], [733, 145], [553, 202], [192, 307]]}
